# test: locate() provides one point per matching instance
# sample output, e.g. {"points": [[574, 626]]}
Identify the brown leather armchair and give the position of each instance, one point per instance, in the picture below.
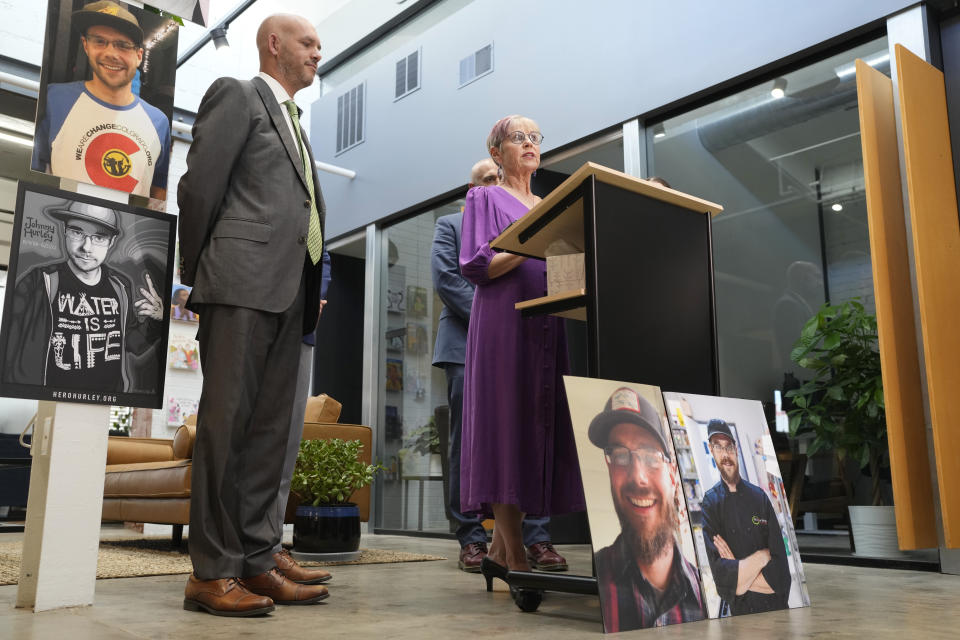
{"points": [[148, 479]]}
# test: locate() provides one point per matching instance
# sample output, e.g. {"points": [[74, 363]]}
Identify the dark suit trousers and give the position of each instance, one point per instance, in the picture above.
{"points": [[250, 365], [296, 433]]}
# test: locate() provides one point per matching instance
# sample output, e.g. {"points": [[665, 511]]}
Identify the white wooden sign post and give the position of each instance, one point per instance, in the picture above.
{"points": [[62, 533]]}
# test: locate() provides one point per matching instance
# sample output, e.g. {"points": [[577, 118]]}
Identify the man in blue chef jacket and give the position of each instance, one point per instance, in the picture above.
{"points": [[742, 535]]}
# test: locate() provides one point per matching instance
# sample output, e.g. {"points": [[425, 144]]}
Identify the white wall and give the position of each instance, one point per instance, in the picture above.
{"points": [[21, 30], [576, 68]]}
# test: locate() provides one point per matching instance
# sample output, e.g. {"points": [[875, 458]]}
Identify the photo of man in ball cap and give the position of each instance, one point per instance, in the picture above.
{"points": [[742, 535], [644, 579], [100, 131], [78, 323]]}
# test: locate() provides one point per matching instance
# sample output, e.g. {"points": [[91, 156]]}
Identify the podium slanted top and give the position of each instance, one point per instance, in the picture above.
{"points": [[567, 223]]}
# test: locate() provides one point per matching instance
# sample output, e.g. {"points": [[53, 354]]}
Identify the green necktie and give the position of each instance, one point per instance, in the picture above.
{"points": [[314, 235]]}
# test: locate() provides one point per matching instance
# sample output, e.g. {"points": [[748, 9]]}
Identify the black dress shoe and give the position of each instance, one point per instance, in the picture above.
{"points": [[491, 570]]}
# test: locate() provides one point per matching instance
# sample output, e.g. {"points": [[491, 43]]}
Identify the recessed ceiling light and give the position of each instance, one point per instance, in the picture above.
{"points": [[836, 206], [779, 88]]}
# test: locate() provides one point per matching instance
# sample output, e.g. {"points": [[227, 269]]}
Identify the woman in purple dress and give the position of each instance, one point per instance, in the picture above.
{"points": [[518, 452]]}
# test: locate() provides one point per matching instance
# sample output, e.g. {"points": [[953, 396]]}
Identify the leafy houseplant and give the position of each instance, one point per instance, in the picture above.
{"points": [[329, 471], [325, 476], [424, 440], [842, 404], [120, 420]]}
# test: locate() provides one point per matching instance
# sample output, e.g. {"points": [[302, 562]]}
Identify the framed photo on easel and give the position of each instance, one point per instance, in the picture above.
{"points": [[105, 102], [86, 313]]}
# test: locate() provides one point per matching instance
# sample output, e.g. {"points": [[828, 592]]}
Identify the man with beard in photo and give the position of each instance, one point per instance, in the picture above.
{"points": [[643, 577], [742, 535]]}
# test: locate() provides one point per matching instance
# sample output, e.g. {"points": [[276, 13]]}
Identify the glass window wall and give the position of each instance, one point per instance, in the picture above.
{"points": [[784, 160], [606, 150], [413, 407]]}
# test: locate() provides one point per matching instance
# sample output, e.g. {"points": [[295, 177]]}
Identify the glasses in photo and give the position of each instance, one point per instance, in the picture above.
{"points": [[724, 448], [101, 43], [517, 137], [96, 239], [621, 457]]}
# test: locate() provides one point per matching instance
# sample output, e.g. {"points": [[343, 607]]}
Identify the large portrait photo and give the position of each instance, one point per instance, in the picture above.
{"points": [[86, 312], [106, 96], [645, 559], [743, 529]]}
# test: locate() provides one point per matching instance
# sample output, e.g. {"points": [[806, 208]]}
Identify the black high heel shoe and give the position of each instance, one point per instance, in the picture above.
{"points": [[491, 570]]}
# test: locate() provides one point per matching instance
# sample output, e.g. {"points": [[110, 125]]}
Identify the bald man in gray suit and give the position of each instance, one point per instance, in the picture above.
{"points": [[251, 225]]}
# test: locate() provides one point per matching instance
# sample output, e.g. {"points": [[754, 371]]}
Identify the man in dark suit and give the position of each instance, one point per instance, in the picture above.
{"points": [[251, 225], [456, 292]]}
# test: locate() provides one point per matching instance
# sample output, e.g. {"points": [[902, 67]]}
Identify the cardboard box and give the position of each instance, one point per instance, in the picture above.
{"points": [[565, 273]]}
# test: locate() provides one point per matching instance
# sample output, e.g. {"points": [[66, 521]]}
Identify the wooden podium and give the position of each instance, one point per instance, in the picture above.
{"points": [[648, 295]]}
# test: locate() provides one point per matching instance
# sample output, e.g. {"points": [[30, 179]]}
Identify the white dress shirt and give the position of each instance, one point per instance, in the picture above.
{"points": [[282, 96]]}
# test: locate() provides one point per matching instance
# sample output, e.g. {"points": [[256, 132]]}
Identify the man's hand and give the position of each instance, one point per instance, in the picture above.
{"points": [[722, 548], [151, 305], [760, 585], [749, 570], [763, 555], [323, 303]]}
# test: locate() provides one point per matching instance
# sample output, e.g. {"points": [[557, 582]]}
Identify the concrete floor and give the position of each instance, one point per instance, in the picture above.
{"points": [[436, 600]]}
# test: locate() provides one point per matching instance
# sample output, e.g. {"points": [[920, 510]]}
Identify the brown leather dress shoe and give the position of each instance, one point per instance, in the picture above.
{"points": [[224, 597], [283, 591], [293, 571], [543, 556], [471, 555]]}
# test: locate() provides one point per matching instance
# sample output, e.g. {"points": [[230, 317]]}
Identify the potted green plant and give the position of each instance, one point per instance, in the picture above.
{"points": [[326, 474], [120, 419], [841, 405], [425, 441]]}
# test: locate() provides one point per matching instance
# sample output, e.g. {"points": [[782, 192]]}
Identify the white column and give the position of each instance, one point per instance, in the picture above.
{"points": [[375, 277], [634, 149]]}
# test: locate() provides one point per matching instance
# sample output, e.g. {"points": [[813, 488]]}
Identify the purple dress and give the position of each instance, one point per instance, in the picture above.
{"points": [[518, 445]]}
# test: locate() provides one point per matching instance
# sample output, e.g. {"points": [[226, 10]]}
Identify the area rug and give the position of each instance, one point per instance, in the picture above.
{"points": [[154, 557]]}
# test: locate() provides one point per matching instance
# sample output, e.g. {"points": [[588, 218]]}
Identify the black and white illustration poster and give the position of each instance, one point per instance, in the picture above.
{"points": [[106, 96], [86, 313]]}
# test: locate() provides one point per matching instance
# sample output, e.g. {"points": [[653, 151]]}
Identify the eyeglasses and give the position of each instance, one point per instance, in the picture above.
{"points": [[96, 239], [517, 137], [101, 43], [621, 457], [724, 448]]}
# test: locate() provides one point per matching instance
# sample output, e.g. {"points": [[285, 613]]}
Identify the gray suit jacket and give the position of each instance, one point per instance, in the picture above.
{"points": [[454, 290], [244, 204]]}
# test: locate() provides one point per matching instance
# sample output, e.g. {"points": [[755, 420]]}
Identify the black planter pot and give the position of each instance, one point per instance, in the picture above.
{"points": [[331, 528]]}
